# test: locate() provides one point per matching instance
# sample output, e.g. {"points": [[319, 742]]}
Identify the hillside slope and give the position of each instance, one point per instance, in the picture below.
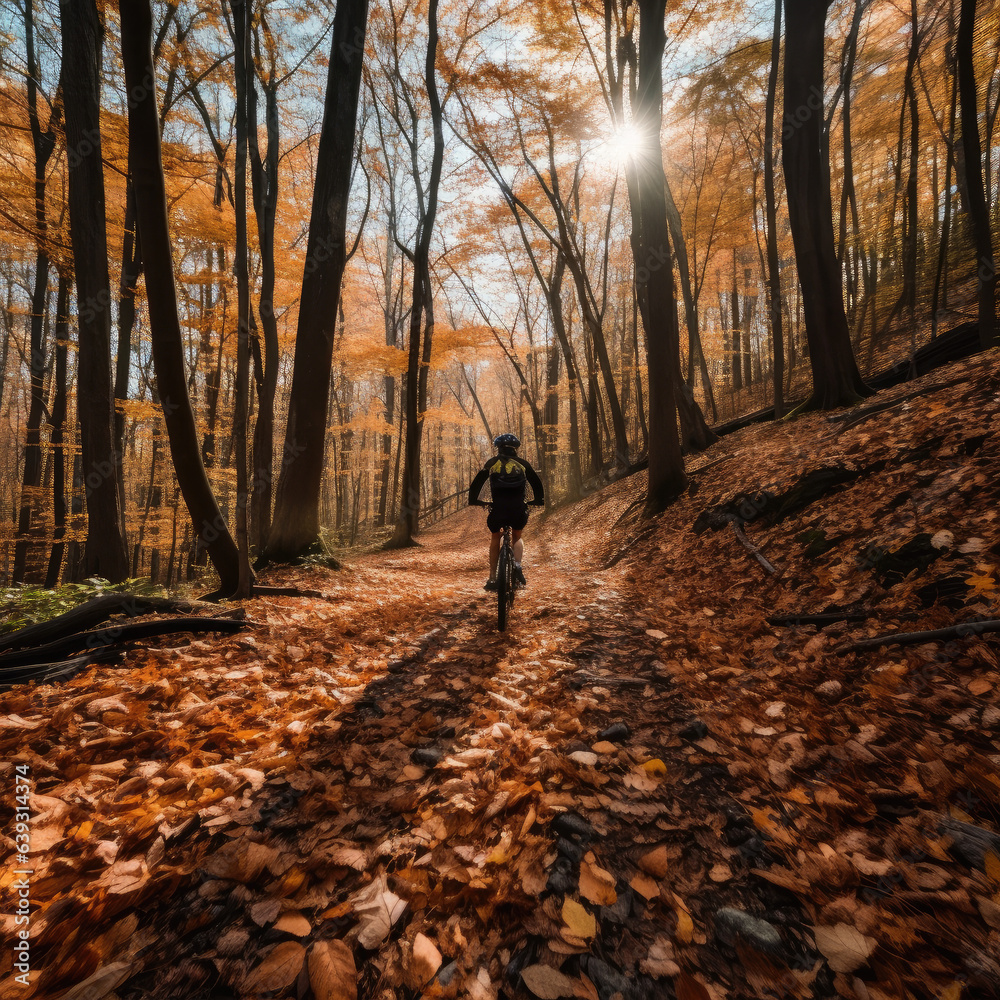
{"points": [[643, 789]]}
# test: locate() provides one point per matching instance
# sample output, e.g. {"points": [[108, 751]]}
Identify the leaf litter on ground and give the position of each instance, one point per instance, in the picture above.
{"points": [[374, 791]]}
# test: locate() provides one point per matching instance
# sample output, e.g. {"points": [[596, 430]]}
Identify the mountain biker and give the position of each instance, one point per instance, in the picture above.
{"points": [[508, 475]]}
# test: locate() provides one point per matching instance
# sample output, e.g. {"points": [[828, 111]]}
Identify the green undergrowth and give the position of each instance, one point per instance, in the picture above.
{"points": [[29, 605]]}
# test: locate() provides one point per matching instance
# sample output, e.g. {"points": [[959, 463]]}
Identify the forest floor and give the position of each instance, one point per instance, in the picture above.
{"points": [[643, 788]]}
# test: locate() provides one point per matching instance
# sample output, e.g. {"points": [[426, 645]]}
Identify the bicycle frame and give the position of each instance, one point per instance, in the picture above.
{"points": [[505, 578]]}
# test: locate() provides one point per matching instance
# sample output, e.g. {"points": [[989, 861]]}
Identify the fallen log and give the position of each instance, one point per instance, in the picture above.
{"points": [[61, 670], [114, 635], [962, 631], [93, 612], [284, 592]]}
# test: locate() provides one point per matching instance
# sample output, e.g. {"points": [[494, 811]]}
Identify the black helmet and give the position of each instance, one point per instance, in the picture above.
{"points": [[506, 441]]}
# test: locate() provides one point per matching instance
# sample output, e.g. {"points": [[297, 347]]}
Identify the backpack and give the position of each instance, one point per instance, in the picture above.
{"points": [[507, 479]]}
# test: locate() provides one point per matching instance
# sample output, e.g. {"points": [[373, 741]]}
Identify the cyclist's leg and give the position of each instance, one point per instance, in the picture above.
{"points": [[518, 545], [495, 553], [518, 549]]}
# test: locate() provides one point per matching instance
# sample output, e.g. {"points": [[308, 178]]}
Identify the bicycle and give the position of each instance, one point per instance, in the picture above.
{"points": [[506, 584]]}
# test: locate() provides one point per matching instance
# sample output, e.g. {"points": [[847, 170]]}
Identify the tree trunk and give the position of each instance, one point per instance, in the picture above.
{"points": [[836, 379], [131, 269], [241, 409], [106, 554], [420, 352], [44, 144], [696, 354], [666, 465], [771, 216], [977, 207], [57, 419], [264, 176], [388, 381], [939, 298], [167, 339], [295, 527], [735, 342]]}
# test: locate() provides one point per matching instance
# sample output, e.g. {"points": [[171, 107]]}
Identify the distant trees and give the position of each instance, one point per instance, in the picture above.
{"points": [[404, 111], [596, 327], [43, 142]]}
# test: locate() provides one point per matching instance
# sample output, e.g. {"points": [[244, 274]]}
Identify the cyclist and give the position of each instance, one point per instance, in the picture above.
{"points": [[508, 475]]}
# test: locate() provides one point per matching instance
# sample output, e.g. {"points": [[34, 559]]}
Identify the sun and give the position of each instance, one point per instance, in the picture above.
{"points": [[624, 144]]}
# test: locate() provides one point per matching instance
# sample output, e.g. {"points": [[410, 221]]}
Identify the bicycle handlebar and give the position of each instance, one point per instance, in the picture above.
{"points": [[489, 503]]}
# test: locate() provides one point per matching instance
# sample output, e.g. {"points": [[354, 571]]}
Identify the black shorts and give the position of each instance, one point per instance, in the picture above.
{"points": [[513, 514]]}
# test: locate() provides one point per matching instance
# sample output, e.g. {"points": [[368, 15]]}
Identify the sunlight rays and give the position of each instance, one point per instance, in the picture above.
{"points": [[623, 145]]}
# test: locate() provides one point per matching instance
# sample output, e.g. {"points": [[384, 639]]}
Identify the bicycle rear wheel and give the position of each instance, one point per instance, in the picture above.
{"points": [[504, 587]]}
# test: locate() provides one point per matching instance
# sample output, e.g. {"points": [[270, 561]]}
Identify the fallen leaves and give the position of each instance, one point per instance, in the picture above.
{"points": [[843, 946], [377, 909], [547, 983], [597, 885], [580, 922], [392, 801], [332, 973]]}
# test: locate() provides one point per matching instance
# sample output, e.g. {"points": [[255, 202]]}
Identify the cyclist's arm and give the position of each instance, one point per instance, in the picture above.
{"points": [[477, 487], [536, 485]]}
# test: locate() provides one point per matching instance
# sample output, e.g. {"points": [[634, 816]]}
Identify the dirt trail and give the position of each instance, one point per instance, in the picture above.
{"points": [[385, 769]]}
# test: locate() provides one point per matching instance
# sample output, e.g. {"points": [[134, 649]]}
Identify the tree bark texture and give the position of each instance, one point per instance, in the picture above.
{"points": [[105, 553], [295, 527], [165, 329], [977, 207], [666, 465], [805, 161]]}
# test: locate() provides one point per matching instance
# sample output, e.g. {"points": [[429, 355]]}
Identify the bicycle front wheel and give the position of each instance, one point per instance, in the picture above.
{"points": [[504, 587]]}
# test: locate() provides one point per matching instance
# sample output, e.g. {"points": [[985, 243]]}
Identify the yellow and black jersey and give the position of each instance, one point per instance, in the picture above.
{"points": [[508, 476]]}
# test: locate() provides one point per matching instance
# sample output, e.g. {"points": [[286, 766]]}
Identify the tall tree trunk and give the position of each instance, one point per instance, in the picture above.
{"points": [[666, 465], [939, 298], [549, 444], [165, 329], [130, 272], [703, 435], [295, 527], [736, 342], [640, 406], [749, 312], [105, 553], [977, 207], [805, 159], [241, 410], [422, 302], [213, 377], [388, 380], [554, 294], [43, 143], [264, 175], [771, 217], [57, 419]]}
